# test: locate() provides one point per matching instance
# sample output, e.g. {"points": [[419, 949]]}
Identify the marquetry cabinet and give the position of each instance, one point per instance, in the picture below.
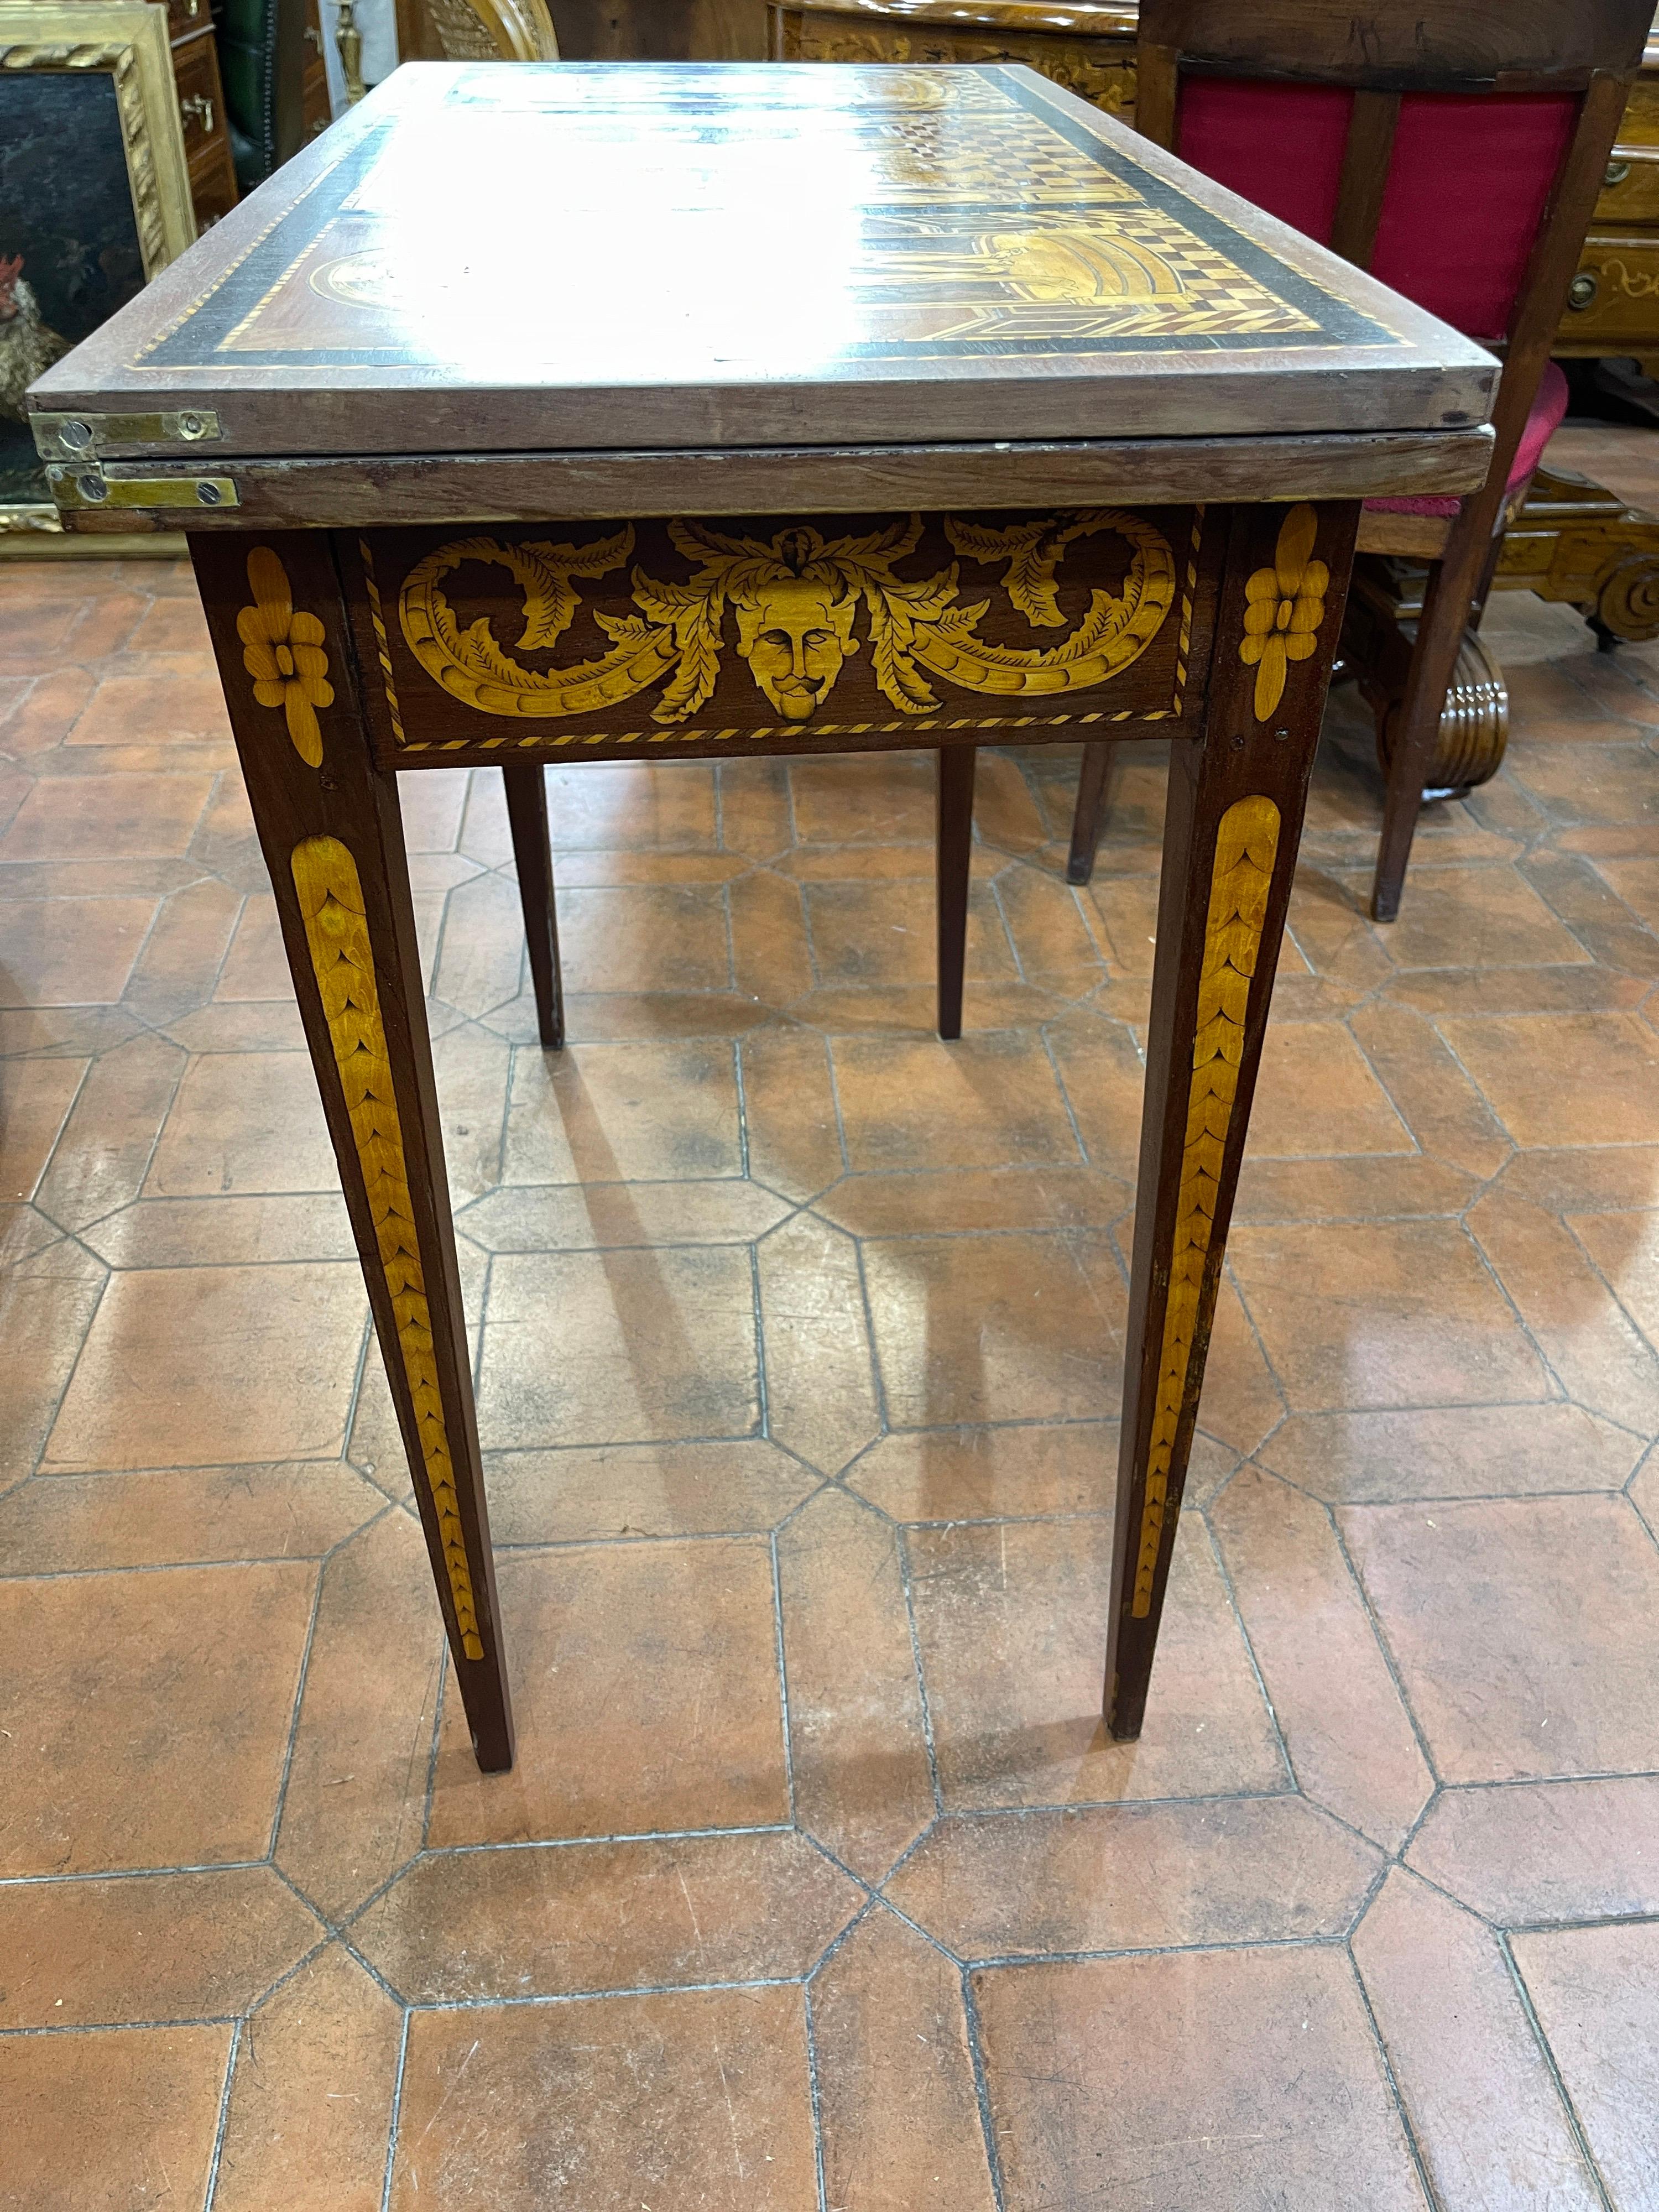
{"points": [[1613, 307], [1090, 50], [202, 110]]}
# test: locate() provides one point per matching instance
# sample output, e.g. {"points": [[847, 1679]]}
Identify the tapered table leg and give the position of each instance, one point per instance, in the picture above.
{"points": [[953, 862], [1231, 831], [532, 856], [1097, 766], [329, 823]]}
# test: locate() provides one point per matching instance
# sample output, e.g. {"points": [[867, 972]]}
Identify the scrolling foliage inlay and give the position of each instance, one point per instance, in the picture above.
{"points": [[336, 930], [1247, 841], [796, 602]]}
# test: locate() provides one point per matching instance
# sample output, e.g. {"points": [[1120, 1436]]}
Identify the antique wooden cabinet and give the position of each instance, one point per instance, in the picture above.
{"points": [[202, 109], [1089, 49], [1614, 305]]}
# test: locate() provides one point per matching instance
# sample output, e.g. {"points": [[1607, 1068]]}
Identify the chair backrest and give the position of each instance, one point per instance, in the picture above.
{"points": [[494, 30], [1453, 148]]}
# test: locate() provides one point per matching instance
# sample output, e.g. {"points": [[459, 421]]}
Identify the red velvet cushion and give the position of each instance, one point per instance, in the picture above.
{"points": [[1549, 404], [1465, 189]]}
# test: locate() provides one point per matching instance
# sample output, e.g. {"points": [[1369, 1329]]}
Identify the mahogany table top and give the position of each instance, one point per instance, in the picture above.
{"points": [[545, 259]]}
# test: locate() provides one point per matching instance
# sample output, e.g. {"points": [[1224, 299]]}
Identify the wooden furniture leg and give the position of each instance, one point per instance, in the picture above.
{"points": [[329, 824], [953, 863], [1089, 815], [1447, 606], [532, 856], [1231, 831]]}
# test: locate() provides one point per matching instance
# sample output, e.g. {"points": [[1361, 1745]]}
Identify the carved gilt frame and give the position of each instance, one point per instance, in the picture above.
{"points": [[127, 39]]}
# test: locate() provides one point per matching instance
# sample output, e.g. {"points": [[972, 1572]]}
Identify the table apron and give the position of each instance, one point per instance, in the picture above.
{"points": [[338, 492]]}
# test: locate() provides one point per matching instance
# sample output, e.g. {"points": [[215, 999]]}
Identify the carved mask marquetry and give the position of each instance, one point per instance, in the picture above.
{"points": [[795, 634]]}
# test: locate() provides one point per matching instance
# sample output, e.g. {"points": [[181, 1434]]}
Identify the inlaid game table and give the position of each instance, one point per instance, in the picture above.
{"points": [[637, 413]]}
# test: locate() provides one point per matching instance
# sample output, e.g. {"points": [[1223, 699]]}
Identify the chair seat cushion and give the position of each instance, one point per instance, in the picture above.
{"points": [[1549, 405]]}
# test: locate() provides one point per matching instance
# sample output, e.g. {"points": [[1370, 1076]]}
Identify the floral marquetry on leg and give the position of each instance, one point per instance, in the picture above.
{"points": [[1286, 607], [282, 652], [331, 833]]}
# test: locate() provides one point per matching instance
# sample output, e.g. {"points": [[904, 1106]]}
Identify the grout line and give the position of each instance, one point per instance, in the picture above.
{"points": [[1388, 1659], [762, 1427], [585, 1842], [982, 2089], [49, 1421], [224, 2120], [545, 2001], [815, 2092], [444, 1669], [301, 1674], [743, 1110], [882, 1412], [903, 1550], [783, 1679], [834, 1101], [1222, 1569], [1400, 2107], [396, 2110], [1593, 2171]]}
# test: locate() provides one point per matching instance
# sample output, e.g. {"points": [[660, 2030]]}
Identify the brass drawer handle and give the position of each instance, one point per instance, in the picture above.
{"points": [[198, 108], [1582, 291], [1617, 172]]}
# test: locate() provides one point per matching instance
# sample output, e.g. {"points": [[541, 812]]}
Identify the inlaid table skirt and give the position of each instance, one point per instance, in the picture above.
{"points": [[628, 413]]}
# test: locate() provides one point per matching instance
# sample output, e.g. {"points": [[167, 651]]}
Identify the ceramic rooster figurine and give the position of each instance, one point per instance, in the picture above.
{"points": [[28, 344]]}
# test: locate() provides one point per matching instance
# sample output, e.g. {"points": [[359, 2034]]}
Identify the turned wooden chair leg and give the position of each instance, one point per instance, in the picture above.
{"points": [[532, 854], [956, 847], [1089, 816], [1446, 610]]}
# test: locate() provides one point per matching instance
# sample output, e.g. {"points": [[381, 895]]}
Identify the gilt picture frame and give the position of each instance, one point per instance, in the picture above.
{"points": [[95, 199]]}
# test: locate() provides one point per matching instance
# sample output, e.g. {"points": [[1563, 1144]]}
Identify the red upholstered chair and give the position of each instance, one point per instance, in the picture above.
{"points": [[1455, 149]]}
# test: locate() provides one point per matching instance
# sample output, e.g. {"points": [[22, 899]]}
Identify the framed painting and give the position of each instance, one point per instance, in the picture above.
{"points": [[94, 198]]}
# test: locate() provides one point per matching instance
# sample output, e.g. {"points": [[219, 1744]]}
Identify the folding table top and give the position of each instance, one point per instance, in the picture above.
{"points": [[547, 259]]}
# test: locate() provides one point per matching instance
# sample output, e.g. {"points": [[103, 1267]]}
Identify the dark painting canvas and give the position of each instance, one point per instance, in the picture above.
{"points": [[68, 244]]}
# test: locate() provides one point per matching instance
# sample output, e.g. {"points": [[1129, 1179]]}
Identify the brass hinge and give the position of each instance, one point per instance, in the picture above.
{"points": [[78, 489], [79, 436]]}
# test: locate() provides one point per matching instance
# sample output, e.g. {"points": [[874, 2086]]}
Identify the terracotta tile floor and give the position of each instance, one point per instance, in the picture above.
{"points": [[816, 1888]]}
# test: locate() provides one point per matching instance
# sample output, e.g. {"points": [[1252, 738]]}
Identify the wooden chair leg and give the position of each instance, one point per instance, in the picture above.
{"points": [[1446, 610], [956, 845], [532, 854], [1089, 816]]}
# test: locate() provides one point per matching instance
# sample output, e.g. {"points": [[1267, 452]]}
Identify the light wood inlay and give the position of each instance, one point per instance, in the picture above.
{"points": [[1247, 841], [336, 930], [1284, 606], [282, 652]]}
